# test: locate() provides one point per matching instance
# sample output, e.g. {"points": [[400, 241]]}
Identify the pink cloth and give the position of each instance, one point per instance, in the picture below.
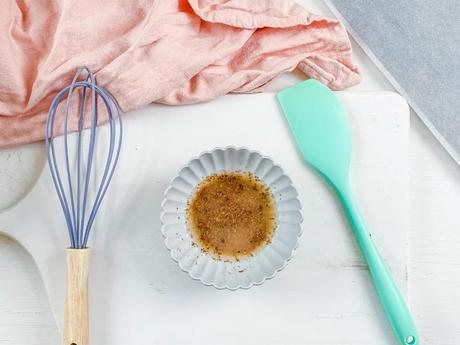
{"points": [[168, 51]]}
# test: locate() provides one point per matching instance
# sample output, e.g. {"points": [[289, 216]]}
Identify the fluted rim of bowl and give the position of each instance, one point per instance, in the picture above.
{"points": [[265, 277]]}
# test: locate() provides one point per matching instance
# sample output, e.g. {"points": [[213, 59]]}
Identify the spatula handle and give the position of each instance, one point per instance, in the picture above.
{"points": [[76, 328], [394, 305]]}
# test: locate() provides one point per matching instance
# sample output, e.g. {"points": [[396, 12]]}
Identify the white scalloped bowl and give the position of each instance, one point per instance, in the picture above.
{"points": [[248, 271]]}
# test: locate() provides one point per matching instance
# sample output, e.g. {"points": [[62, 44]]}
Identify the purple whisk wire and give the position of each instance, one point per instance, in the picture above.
{"points": [[75, 203]]}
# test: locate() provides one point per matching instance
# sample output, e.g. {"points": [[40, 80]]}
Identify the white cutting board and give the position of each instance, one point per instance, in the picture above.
{"points": [[324, 296]]}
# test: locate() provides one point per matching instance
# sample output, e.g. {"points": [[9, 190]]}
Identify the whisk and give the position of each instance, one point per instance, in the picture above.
{"points": [[74, 188]]}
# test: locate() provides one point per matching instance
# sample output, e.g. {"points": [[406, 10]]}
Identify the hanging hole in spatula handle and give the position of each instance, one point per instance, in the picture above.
{"points": [[411, 340], [76, 325]]}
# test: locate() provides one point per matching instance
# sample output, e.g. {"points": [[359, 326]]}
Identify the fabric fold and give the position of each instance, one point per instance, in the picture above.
{"points": [[167, 51]]}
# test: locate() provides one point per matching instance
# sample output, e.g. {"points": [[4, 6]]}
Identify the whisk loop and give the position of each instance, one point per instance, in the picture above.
{"points": [[76, 202]]}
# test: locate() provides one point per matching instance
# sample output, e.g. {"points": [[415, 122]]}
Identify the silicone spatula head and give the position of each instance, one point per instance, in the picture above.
{"points": [[320, 127]]}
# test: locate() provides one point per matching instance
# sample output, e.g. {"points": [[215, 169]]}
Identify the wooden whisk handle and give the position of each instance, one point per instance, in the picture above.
{"points": [[76, 326]]}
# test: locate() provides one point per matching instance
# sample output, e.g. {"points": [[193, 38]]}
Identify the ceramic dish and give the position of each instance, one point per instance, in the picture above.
{"points": [[247, 271]]}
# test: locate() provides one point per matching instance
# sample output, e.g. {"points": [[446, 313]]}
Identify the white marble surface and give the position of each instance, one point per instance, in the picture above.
{"points": [[25, 315]]}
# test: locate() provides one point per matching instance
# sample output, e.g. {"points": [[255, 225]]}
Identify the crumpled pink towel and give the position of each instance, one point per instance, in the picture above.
{"points": [[168, 51]]}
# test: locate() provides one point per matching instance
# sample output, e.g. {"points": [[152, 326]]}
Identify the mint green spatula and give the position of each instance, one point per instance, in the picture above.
{"points": [[320, 127]]}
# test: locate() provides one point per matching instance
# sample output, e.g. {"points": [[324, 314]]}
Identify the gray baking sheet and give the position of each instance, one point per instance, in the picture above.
{"points": [[416, 43]]}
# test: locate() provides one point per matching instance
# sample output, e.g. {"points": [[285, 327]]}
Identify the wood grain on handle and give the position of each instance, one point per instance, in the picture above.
{"points": [[76, 328]]}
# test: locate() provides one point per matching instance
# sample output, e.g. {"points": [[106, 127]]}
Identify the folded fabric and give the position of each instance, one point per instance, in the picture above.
{"points": [[168, 51]]}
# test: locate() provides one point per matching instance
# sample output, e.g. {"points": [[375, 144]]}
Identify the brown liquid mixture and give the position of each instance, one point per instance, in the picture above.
{"points": [[231, 214]]}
